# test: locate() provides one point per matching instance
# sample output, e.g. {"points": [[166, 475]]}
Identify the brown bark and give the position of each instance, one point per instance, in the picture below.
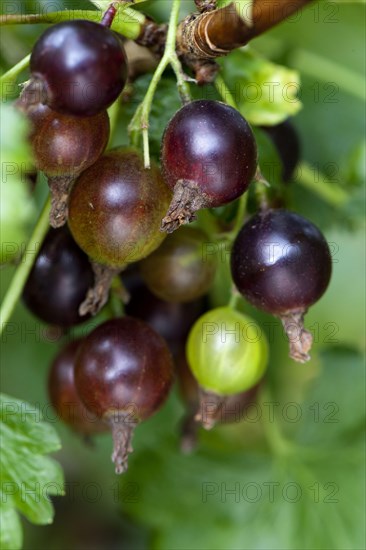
{"points": [[215, 33]]}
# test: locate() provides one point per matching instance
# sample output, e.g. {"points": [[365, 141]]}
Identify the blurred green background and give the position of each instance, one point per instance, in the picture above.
{"points": [[295, 480]]}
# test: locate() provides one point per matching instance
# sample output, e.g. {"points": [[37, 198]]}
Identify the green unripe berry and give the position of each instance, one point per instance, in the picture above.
{"points": [[227, 351]]}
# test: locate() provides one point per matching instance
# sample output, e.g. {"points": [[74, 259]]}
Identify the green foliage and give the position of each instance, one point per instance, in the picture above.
{"points": [[17, 207], [299, 493], [166, 103], [266, 93], [183, 501], [27, 477], [104, 4]]}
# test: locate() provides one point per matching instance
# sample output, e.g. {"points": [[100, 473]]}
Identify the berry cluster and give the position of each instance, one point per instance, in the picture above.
{"points": [[119, 213]]}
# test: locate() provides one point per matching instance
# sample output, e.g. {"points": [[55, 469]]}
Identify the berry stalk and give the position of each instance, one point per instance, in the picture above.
{"points": [[140, 120]]}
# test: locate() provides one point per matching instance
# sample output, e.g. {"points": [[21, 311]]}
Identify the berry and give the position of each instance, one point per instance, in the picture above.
{"points": [[123, 374], [66, 145], [78, 68], [180, 270], [64, 397], [115, 207], [286, 140], [59, 280], [171, 320], [281, 264], [227, 353], [208, 156], [63, 146]]}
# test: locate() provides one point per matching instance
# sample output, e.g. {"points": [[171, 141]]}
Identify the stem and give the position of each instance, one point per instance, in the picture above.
{"points": [[239, 218], [224, 92], [130, 25], [261, 190], [140, 120], [113, 113], [209, 408], [122, 432], [11, 75], [109, 15], [21, 274], [277, 443], [60, 187], [234, 299], [97, 296], [216, 33], [119, 296], [300, 340]]}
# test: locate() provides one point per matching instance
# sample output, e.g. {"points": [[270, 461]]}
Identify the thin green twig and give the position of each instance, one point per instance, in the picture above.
{"points": [[224, 92], [140, 121], [128, 22], [21, 274], [11, 75]]}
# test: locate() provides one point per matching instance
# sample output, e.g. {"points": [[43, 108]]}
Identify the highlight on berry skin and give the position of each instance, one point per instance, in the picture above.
{"points": [[281, 263], [84, 85], [208, 158], [123, 374]]}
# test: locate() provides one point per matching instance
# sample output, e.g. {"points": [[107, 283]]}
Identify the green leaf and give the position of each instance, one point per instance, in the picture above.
{"points": [[11, 535], [310, 488], [104, 4], [27, 477], [266, 93], [166, 103], [242, 495], [17, 208]]}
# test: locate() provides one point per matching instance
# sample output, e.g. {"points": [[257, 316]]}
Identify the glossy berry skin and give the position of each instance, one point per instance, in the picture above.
{"points": [[169, 319], [59, 280], [66, 145], [281, 262], [79, 66], [226, 351], [212, 146], [286, 140], [115, 208], [181, 269], [64, 397], [123, 366]]}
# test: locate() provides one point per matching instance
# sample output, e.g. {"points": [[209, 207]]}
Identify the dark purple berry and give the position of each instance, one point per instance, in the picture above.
{"points": [[123, 374], [64, 397], [281, 263], [78, 68], [286, 140], [59, 280], [208, 156]]}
